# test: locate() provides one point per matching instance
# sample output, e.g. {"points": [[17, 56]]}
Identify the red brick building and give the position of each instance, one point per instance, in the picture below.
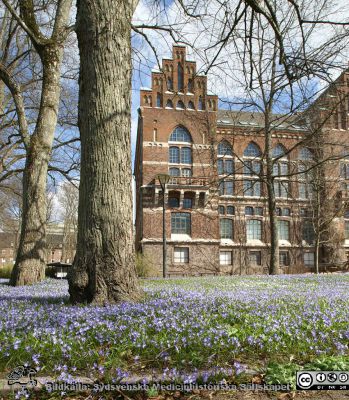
{"points": [[216, 205]]}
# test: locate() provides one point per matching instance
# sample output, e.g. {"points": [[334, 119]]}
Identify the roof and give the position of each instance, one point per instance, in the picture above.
{"points": [[256, 120]]}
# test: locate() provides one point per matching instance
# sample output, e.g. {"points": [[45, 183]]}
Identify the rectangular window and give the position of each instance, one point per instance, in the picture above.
{"points": [[286, 212], [255, 258], [308, 233], [226, 228], [221, 210], [228, 166], [281, 189], [252, 168], [187, 203], [220, 167], [230, 210], [284, 230], [252, 188], [173, 202], [225, 258], [309, 259], [180, 223], [185, 155], [284, 258], [258, 211], [226, 188], [254, 229], [181, 255], [174, 155]]}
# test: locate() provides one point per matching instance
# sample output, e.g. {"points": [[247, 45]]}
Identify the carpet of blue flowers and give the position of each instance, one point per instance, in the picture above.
{"points": [[180, 328]]}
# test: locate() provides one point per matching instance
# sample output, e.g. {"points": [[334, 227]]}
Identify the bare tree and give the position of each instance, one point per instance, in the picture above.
{"points": [[30, 261]]}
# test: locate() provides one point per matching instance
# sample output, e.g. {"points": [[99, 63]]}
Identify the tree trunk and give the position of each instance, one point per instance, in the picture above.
{"points": [[274, 236], [31, 255], [104, 266]]}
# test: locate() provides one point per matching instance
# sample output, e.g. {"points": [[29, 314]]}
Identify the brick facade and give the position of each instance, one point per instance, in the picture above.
{"points": [[178, 102]]}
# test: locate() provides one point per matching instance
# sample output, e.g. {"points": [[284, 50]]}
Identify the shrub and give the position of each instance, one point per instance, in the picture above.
{"points": [[5, 271]]}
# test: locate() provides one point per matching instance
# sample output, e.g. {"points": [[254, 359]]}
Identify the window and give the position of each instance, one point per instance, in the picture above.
{"points": [[187, 203], [226, 188], [221, 210], [284, 259], [225, 166], [252, 150], [185, 155], [226, 228], [284, 230], [303, 212], [252, 168], [305, 154], [180, 223], [308, 234], [173, 202], [248, 210], [180, 134], [252, 188], [309, 259], [180, 105], [278, 151], [174, 155], [200, 104], [174, 171], [255, 258], [225, 258], [181, 255], [230, 210], [286, 212], [254, 229], [224, 149], [169, 104], [258, 211], [186, 172], [190, 86], [278, 211], [158, 100], [281, 188], [180, 76], [191, 105], [169, 84], [345, 170]]}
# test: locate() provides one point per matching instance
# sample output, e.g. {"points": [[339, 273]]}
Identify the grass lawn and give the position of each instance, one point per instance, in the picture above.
{"points": [[186, 330]]}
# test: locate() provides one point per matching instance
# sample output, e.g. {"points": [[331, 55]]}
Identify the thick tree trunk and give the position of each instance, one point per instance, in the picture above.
{"points": [[31, 255], [104, 265]]}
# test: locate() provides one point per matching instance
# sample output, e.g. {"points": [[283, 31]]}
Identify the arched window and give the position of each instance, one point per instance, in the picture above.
{"points": [[191, 105], [190, 86], [180, 78], [280, 166], [252, 150], [200, 104], [224, 149], [305, 154], [158, 100], [278, 151], [180, 134], [169, 84], [180, 105], [214, 105], [169, 104]]}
